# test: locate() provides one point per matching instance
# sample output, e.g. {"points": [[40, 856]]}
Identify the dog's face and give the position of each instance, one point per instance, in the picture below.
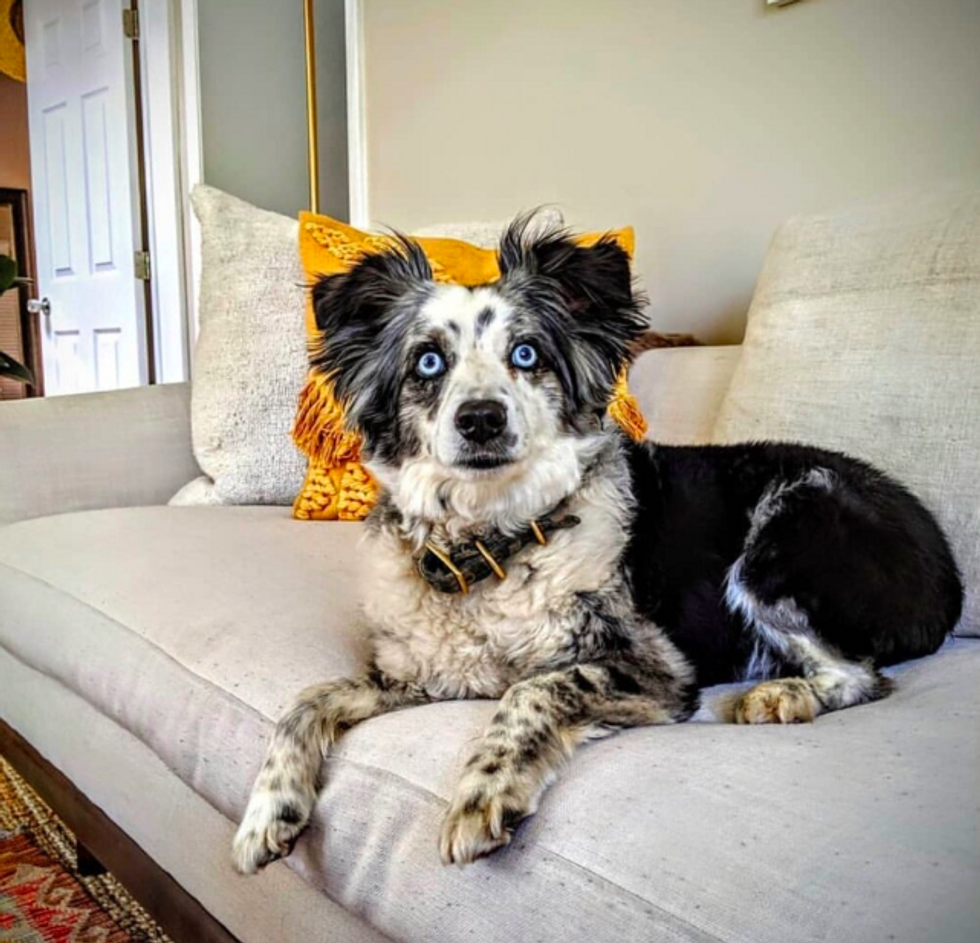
{"points": [[466, 395]]}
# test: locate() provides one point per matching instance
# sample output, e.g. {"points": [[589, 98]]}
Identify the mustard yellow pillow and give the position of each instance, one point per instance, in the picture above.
{"points": [[337, 486]]}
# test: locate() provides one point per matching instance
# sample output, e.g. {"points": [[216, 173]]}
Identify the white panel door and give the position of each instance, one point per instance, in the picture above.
{"points": [[85, 194]]}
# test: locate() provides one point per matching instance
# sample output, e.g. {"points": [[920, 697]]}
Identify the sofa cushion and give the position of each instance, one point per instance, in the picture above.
{"points": [[680, 390], [192, 627], [864, 336], [123, 776]]}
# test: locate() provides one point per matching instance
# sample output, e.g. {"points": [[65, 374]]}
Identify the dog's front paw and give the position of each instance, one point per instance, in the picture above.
{"points": [[783, 701], [477, 824], [268, 832]]}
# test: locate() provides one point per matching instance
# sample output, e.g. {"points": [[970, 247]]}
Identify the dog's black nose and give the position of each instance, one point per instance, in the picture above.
{"points": [[480, 420]]}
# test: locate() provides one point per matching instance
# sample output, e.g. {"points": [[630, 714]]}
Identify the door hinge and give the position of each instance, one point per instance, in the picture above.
{"points": [[131, 24], [141, 266]]}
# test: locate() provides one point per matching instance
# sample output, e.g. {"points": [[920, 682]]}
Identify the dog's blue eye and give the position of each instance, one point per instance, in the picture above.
{"points": [[430, 365], [524, 356]]}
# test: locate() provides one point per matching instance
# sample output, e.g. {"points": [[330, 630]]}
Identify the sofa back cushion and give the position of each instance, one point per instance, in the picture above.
{"points": [[250, 359], [864, 336]]}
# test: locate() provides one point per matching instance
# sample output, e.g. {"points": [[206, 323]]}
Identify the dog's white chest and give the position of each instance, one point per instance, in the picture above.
{"points": [[477, 645]]}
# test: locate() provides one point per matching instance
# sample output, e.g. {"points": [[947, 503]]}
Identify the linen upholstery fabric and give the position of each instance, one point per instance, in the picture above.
{"points": [[337, 486], [185, 627], [864, 336], [250, 359], [703, 373], [72, 453]]}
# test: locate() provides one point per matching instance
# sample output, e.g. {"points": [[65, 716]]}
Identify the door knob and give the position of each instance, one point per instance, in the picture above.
{"points": [[39, 306]]}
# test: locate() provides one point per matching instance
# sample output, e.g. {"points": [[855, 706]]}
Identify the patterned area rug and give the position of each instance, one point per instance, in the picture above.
{"points": [[43, 898]]}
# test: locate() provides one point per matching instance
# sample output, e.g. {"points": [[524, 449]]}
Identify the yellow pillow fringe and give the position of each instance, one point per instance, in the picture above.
{"points": [[337, 486], [319, 427], [624, 409]]}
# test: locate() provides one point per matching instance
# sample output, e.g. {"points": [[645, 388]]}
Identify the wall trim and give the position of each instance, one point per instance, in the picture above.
{"points": [[357, 165], [168, 50], [187, 67], [186, 156], [164, 232]]}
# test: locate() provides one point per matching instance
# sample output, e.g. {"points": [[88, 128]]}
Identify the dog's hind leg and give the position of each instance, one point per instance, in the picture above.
{"points": [[801, 546], [537, 727], [286, 788], [783, 637], [828, 682]]}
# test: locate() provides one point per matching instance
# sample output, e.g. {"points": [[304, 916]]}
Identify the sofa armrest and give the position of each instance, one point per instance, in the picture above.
{"points": [[680, 391], [73, 453]]}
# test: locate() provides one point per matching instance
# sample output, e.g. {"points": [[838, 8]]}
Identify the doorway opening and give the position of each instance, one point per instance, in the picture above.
{"points": [[92, 108]]}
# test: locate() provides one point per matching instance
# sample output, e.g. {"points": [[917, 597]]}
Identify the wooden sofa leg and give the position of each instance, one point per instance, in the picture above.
{"points": [[180, 916], [88, 865]]}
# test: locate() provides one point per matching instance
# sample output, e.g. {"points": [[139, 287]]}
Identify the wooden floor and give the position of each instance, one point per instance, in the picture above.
{"points": [[103, 844]]}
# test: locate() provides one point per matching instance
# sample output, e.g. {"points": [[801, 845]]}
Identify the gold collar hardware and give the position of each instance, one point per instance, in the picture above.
{"points": [[498, 570], [449, 565]]}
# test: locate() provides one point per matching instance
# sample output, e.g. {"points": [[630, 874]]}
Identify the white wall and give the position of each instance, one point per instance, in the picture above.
{"points": [[253, 102], [702, 122]]}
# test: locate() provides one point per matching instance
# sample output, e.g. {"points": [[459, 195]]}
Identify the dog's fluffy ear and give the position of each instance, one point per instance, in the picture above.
{"points": [[601, 312], [353, 310], [363, 294], [362, 315]]}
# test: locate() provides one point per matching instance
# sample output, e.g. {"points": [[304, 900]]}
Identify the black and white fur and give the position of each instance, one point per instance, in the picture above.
{"points": [[797, 567]]}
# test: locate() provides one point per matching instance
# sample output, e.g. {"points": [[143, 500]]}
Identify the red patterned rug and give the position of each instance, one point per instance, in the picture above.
{"points": [[41, 902], [43, 898]]}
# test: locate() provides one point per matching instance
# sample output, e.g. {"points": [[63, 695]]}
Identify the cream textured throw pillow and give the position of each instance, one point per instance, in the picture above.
{"points": [[864, 336], [250, 359]]}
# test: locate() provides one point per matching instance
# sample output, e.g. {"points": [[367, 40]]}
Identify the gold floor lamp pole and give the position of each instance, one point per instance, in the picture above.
{"points": [[311, 124]]}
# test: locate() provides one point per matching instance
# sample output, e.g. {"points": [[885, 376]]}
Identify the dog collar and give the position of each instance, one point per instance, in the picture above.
{"points": [[461, 566]]}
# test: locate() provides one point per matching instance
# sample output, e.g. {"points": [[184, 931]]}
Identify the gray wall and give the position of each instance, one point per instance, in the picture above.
{"points": [[253, 102], [702, 122]]}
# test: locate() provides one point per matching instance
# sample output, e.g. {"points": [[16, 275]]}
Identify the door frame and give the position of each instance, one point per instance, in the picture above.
{"points": [[171, 97], [357, 133]]}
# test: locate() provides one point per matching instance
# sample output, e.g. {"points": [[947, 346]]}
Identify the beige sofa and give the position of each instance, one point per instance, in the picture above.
{"points": [[145, 651]]}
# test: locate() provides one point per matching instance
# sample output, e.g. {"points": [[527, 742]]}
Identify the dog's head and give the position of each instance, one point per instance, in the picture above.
{"points": [[479, 400]]}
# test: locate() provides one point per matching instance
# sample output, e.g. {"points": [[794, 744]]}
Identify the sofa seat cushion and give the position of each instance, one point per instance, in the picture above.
{"points": [[192, 627]]}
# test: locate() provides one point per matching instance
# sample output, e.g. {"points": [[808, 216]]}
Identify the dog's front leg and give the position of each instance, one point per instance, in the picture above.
{"points": [[537, 727], [286, 788]]}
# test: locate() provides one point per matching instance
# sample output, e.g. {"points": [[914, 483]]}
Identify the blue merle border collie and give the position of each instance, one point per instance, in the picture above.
{"points": [[524, 549]]}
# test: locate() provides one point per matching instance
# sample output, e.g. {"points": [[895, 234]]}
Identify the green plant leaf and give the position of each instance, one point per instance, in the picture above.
{"points": [[8, 272], [16, 371]]}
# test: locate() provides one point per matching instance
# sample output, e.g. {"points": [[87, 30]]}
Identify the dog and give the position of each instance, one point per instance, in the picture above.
{"points": [[524, 549]]}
